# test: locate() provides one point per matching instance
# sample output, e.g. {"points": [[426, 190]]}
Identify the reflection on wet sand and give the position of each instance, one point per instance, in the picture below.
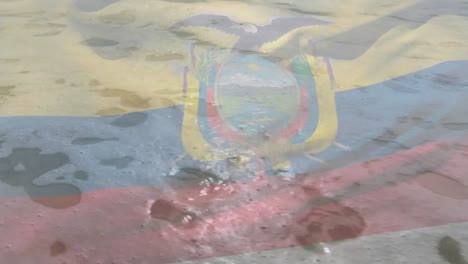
{"points": [[24, 165]]}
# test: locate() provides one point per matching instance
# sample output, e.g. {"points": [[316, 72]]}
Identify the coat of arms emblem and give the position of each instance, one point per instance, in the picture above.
{"points": [[256, 107]]}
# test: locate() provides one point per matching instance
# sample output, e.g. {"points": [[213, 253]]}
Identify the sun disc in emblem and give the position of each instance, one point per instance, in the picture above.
{"points": [[255, 96]]}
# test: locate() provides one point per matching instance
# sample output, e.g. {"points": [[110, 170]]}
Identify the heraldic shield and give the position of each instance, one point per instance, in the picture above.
{"points": [[256, 107]]}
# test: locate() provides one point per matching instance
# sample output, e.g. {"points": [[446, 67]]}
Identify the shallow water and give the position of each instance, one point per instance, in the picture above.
{"points": [[233, 131]]}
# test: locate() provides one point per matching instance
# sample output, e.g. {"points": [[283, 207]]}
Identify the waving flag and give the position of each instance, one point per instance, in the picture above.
{"points": [[159, 131]]}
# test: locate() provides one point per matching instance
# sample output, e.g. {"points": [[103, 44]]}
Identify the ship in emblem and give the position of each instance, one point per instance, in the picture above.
{"points": [[256, 108]]}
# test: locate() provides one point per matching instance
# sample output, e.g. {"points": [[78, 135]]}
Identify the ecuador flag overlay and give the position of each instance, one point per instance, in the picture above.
{"points": [[139, 131]]}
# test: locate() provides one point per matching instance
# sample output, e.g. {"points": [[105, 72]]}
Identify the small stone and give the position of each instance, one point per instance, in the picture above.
{"points": [[57, 248]]}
